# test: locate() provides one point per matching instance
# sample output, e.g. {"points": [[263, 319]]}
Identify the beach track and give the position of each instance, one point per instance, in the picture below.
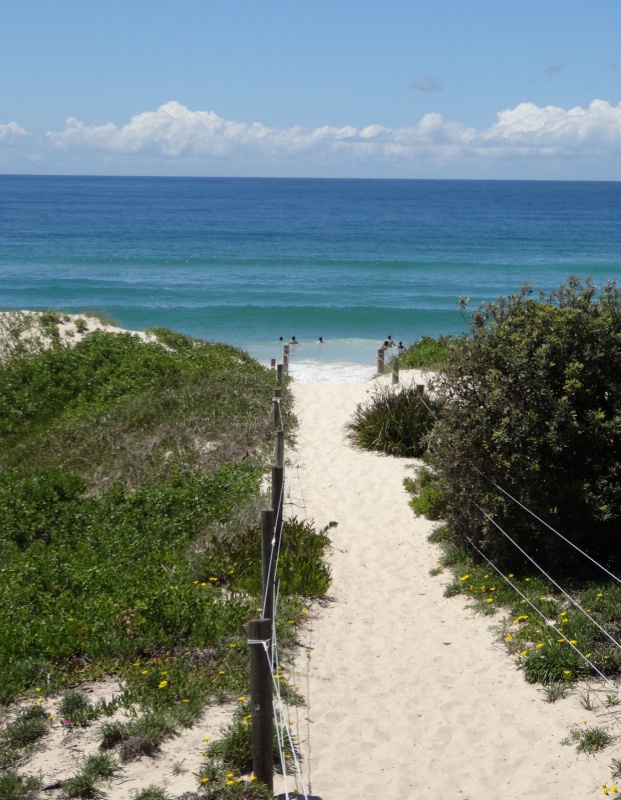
{"points": [[409, 694]]}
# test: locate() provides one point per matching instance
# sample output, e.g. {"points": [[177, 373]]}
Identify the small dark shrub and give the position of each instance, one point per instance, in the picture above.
{"points": [[14, 786], [394, 421], [30, 726]]}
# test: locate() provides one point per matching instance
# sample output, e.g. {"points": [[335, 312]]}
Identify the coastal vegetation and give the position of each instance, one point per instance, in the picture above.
{"points": [[522, 472], [392, 421], [130, 491], [427, 353]]}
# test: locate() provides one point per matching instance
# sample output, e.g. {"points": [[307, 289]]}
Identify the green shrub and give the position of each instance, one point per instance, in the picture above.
{"points": [[235, 559], [426, 353], [394, 421], [532, 403], [427, 500]]}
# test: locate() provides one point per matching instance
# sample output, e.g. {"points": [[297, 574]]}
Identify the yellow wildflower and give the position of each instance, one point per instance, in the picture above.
{"points": [[524, 653], [508, 638], [464, 577], [539, 645]]}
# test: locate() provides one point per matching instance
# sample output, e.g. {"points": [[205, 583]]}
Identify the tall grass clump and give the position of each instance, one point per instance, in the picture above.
{"points": [[394, 421]]}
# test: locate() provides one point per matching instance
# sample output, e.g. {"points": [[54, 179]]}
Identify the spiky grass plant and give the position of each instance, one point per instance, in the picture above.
{"points": [[14, 786], [96, 769], [394, 421], [589, 740]]}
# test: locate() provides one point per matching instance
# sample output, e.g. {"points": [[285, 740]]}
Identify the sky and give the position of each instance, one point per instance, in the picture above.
{"points": [[465, 89]]}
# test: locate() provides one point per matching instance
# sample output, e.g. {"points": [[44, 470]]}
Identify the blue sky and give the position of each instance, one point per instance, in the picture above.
{"points": [[320, 88]]}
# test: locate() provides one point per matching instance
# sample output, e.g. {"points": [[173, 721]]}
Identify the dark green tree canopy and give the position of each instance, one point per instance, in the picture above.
{"points": [[532, 403]]}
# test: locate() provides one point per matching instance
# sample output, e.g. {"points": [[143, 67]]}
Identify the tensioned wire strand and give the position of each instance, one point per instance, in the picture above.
{"points": [[546, 575], [543, 572], [550, 624], [529, 511]]}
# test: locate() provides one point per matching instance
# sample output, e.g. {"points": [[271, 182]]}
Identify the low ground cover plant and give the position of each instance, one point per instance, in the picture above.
{"points": [[130, 477]]}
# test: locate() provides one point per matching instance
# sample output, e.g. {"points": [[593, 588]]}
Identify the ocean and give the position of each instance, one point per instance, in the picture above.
{"points": [[247, 261]]}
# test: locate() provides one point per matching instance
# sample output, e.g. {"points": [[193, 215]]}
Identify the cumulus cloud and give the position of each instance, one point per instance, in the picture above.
{"points": [[174, 137], [174, 131], [11, 132], [425, 83]]}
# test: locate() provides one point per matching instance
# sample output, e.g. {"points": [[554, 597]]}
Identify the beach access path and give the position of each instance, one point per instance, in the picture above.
{"points": [[409, 694]]}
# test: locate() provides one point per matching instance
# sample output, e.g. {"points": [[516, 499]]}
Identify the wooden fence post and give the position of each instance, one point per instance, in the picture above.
{"points": [[279, 448], [276, 407], [273, 363], [279, 372], [395, 370], [380, 361], [420, 388], [259, 631], [278, 474], [268, 561]]}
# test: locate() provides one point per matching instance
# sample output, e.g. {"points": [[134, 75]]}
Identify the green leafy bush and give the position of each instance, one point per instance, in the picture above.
{"points": [[532, 403], [395, 421], [426, 353], [427, 500]]}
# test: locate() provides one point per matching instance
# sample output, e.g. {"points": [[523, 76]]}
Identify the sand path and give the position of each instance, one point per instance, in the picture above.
{"points": [[410, 696]]}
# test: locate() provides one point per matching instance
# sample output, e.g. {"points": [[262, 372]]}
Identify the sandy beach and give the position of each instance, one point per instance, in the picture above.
{"points": [[410, 695]]}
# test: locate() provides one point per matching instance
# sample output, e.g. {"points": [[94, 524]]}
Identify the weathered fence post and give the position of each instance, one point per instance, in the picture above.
{"points": [[380, 361], [285, 359], [273, 363], [276, 407], [420, 388], [278, 474], [279, 372], [260, 631], [279, 448], [268, 561], [395, 370]]}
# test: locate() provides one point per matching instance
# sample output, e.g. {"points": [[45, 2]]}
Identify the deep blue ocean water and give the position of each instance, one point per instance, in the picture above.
{"points": [[249, 260]]}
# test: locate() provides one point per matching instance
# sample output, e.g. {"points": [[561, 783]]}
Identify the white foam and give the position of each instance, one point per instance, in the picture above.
{"points": [[330, 371]]}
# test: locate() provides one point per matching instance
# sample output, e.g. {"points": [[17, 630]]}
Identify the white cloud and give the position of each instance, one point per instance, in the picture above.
{"points": [[10, 132], [176, 140]]}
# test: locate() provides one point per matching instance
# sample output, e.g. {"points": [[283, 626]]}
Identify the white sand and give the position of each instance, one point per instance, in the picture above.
{"points": [[409, 693]]}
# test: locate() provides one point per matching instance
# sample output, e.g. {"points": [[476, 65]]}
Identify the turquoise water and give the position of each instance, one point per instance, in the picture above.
{"points": [[248, 261]]}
